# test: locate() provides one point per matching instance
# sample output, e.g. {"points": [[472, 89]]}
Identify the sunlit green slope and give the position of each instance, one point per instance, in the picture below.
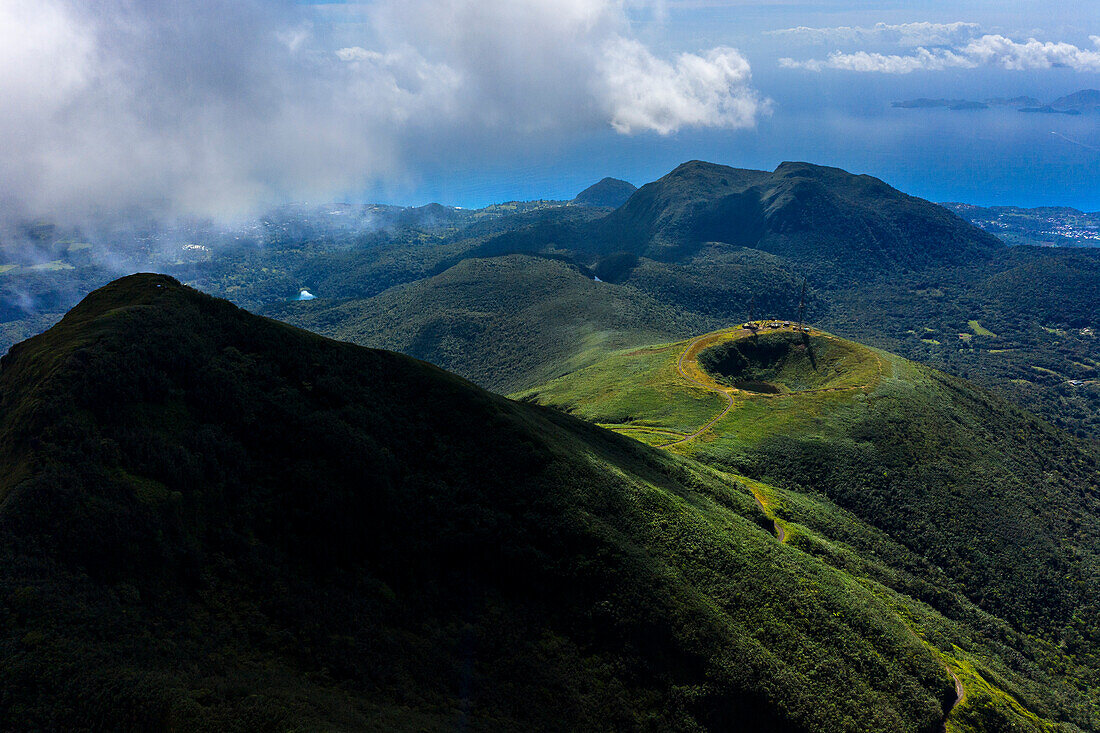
{"points": [[980, 515]]}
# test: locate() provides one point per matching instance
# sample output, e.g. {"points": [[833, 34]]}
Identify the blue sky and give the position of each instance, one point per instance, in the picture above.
{"points": [[843, 118], [223, 107]]}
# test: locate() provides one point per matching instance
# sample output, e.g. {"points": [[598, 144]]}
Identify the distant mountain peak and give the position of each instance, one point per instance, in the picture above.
{"points": [[610, 192], [693, 165], [800, 167], [813, 213]]}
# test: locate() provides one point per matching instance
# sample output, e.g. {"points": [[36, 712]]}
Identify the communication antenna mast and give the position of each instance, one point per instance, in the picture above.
{"points": [[802, 304], [752, 318]]}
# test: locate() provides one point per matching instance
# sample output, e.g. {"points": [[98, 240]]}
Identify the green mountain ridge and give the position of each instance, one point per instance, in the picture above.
{"points": [[210, 520], [810, 213], [838, 226], [881, 267]]}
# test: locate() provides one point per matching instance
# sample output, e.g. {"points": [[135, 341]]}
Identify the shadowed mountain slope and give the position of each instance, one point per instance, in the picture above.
{"points": [[812, 214], [508, 322], [210, 520]]}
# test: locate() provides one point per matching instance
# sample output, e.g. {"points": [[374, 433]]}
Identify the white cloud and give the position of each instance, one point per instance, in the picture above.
{"points": [[545, 64], [1033, 54], [218, 106], [908, 35], [209, 109], [646, 93], [404, 86], [921, 60], [988, 50], [358, 53]]}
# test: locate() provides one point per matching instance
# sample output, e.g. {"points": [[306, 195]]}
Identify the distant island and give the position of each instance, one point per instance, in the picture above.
{"points": [[1013, 102], [1048, 109], [1081, 102], [1086, 100]]}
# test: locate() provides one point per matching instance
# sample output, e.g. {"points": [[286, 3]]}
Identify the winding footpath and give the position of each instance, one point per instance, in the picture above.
{"points": [[708, 387], [780, 532], [960, 695]]}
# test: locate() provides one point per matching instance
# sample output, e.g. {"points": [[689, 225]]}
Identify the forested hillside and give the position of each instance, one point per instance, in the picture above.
{"points": [[703, 247], [215, 521]]}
